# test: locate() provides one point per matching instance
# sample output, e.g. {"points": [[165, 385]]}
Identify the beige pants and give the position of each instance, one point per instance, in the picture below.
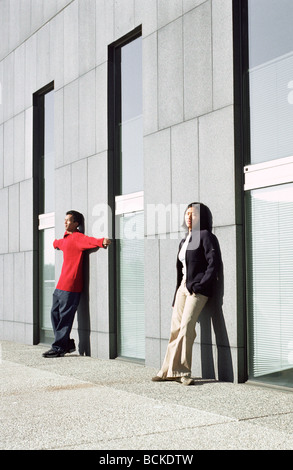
{"points": [[187, 308]]}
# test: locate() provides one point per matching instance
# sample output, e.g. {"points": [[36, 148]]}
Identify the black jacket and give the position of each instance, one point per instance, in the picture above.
{"points": [[202, 263]]}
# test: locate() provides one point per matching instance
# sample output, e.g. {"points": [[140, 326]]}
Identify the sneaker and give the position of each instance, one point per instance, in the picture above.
{"points": [[185, 380], [53, 353]]}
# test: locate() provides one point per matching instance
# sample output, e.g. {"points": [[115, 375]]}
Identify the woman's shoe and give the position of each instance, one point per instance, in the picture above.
{"points": [[157, 379], [185, 380]]}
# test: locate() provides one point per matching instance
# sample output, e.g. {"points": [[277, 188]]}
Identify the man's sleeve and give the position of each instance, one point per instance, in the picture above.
{"points": [[57, 244], [87, 243]]}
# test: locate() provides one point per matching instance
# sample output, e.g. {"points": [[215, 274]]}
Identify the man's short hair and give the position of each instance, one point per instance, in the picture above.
{"points": [[77, 216]]}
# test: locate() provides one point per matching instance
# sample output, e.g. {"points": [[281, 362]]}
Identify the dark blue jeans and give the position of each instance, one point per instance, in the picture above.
{"points": [[62, 316]]}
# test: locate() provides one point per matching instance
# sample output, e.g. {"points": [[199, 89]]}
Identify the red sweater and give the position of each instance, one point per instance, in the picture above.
{"points": [[73, 245]]}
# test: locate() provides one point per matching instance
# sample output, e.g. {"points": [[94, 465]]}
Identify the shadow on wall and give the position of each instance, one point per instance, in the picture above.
{"points": [[83, 311], [212, 315]]}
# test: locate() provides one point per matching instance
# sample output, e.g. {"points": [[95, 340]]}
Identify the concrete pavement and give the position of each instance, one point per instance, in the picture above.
{"points": [[83, 403]]}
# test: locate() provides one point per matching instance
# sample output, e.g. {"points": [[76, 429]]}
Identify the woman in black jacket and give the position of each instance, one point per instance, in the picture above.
{"points": [[197, 266]]}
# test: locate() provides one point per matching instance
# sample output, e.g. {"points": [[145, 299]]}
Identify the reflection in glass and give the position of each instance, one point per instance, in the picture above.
{"points": [[131, 127], [49, 186], [270, 30], [270, 79], [270, 284], [130, 259], [46, 280]]}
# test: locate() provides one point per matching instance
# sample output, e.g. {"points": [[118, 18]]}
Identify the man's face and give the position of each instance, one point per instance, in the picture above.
{"points": [[70, 225]]}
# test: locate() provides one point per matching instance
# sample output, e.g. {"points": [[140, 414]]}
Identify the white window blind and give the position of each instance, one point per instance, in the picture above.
{"points": [[270, 279], [131, 285], [46, 279]]}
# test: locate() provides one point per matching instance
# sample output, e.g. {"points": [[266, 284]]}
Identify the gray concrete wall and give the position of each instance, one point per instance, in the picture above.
{"points": [[188, 152]]}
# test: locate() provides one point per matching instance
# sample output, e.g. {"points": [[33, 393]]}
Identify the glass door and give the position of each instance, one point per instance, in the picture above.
{"points": [[270, 283], [46, 282], [129, 197], [44, 165], [130, 285], [269, 192]]}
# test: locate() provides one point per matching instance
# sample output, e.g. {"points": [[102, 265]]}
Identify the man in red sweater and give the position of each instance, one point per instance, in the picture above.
{"points": [[68, 290]]}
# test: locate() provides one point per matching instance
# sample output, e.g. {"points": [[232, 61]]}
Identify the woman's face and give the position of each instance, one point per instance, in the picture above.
{"points": [[192, 217]]}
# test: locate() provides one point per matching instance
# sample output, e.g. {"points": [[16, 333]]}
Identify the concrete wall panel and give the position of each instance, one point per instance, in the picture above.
{"points": [[170, 74], [152, 281], [146, 14], [71, 46], [59, 127], [26, 215], [8, 152], [8, 269], [79, 183], [7, 87], [13, 218], [44, 75], [57, 50], [222, 54], [150, 84], [104, 29], [123, 17], [87, 114], [30, 78], [216, 160], [97, 188], [1, 156], [168, 278], [99, 98], [197, 35], [185, 165], [19, 287], [28, 143], [86, 35], [4, 244], [19, 83], [2, 274], [28, 288], [190, 4], [157, 175], [18, 148], [71, 122], [168, 11]]}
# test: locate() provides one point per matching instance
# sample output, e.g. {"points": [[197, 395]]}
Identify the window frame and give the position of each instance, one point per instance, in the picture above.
{"points": [[40, 221], [249, 176], [120, 204]]}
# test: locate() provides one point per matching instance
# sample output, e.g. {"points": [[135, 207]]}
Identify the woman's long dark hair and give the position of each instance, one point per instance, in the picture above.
{"points": [[206, 218]]}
